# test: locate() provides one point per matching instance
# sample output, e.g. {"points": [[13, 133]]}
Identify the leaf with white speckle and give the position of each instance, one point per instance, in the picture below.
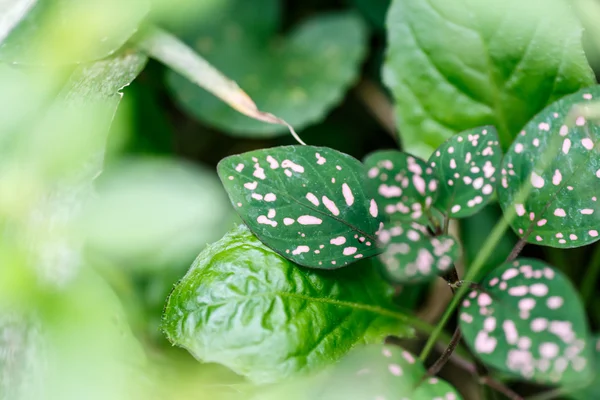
{"points": [[466, 166], [556, 156], [412, 255], [307, 203], [404, 186], [383, 372], [592, 390], [529, 321]]}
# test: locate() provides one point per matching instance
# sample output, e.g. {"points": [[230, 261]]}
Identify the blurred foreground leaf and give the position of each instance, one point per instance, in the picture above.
{"points": [[244, 306]]}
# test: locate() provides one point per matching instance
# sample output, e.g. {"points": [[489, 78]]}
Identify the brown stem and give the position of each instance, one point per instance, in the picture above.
{"points": [[500, 387], [516, 250], [445, 357]]}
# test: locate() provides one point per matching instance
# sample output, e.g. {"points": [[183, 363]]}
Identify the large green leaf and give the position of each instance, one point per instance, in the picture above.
{"points": [[383, 372], [73, 31], [246, 307], [411, 255], [467, 167], [556, 159], [314, 65], [591, 391], [457, 64], [404, 186], [529, 321], [307, 203]]}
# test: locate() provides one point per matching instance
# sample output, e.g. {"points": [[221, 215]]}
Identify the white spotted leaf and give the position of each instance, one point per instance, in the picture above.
{"points": [[529, 321], [383, 372], [410, 254], [466, 166], [307, 203], [557, 158], [404, 186], [591, 390]]}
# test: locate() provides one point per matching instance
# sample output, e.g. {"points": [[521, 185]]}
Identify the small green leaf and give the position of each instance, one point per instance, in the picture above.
{"points": [[244, 306], [466, 166], [405, 185], [453, 65], [559, 163], [316, 63], [384, 372], [307, 203], [412, 255], [72, 31], [529, 321]]}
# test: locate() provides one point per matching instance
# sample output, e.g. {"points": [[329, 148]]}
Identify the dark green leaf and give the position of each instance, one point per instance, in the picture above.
{"points": [[73, 31], [466, 166], [529, 321], [405, 186], [457, 64], [316, 63], [246, 307], [384, 372], [558, 162], [412, 255], [306, 203]]}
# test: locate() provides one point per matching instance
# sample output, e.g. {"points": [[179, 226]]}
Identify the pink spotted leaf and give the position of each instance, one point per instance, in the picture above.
{"points": [[556, 159], [466, 166], [309, 204], [404, 185], [529, 321], [383, 372], [411, 254]]}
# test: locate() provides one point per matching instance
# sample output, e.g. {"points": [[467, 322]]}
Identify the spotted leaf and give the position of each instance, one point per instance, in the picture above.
{"points": [[383, 372], [412, 255], [529, 321], [307, 203], [557, 158], [592, 390], [405, 186], [466, 166]]}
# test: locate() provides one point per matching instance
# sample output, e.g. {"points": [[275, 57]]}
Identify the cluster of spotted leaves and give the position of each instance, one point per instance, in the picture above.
{"points": [[527, 320], [457, 181]]}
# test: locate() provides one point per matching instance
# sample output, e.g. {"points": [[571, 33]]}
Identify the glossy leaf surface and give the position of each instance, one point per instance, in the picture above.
{"points": [[497, 64], [316, 62], [244, 306], [529, 321], [307, 203], [557, 159], [410, 254], [466, 166], [405, 185]]}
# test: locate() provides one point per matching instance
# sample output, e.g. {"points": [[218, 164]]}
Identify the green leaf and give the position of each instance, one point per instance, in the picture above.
{"points": [[412, 255], [466, 166], [315, 65], [529, 321], [453, 65], [72, 31], [558, 162], [591, 391], [384, 372], [405, 185], [246, 307], [307, 203]]}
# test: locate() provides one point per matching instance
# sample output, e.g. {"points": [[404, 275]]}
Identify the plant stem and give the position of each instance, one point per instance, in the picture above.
{"points": [[517, 249], [477, 265], [591, 276], [440, 362], [500, 387]]}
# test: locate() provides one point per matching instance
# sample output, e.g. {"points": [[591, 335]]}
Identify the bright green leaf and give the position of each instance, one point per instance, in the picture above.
{"points": [[383, 372], [466, 166], [73, 31], [456, 64], [405, 186], [412, 255], [316, 63], [557, 159], [529, 321], [244, 306], [307, 203]]}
